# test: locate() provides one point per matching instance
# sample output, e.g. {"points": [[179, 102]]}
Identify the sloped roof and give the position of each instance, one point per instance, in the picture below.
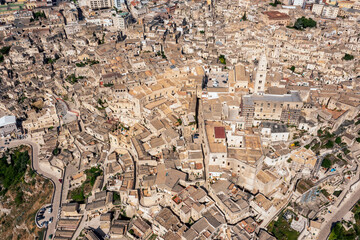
{"points": [[6, 120]]}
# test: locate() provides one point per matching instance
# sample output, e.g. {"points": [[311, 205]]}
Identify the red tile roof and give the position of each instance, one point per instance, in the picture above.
{"points": [[219, 132], [275, 15], [198, 166]]}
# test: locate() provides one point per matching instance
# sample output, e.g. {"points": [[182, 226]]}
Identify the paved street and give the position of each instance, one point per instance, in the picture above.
{"points": [[338, 212], [44, 215], [50, 175]]}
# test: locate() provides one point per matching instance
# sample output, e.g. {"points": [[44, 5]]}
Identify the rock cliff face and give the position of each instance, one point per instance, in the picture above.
{"points": [[23, 193]]}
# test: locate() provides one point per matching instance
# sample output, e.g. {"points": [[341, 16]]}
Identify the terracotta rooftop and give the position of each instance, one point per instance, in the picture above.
{"points": [[275, 15], [219, 132]]}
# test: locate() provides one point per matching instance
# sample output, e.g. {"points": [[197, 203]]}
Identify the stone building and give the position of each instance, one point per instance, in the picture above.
{"points": [[285, 108]]}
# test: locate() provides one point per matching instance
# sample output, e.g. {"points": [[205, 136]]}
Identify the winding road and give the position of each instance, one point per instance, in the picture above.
{"points": [[339, 213], [342, 206], [35, 164]]}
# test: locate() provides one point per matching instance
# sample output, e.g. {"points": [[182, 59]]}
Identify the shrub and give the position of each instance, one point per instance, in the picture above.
{"points": [[13, 173], [56, 151], [19, 199], [92, 174], [116, 198], [78, 194]]}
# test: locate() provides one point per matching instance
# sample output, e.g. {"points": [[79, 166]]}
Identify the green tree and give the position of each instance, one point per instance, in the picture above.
{"points": [[303, 22], [338, 232], [292, 68], [244, 18], [222, 59], [329, 144], [348, 57], [275, 3], [80, 64], [338, 140], [320, 132], [38, 15], [326, 163], [5, 50]]}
